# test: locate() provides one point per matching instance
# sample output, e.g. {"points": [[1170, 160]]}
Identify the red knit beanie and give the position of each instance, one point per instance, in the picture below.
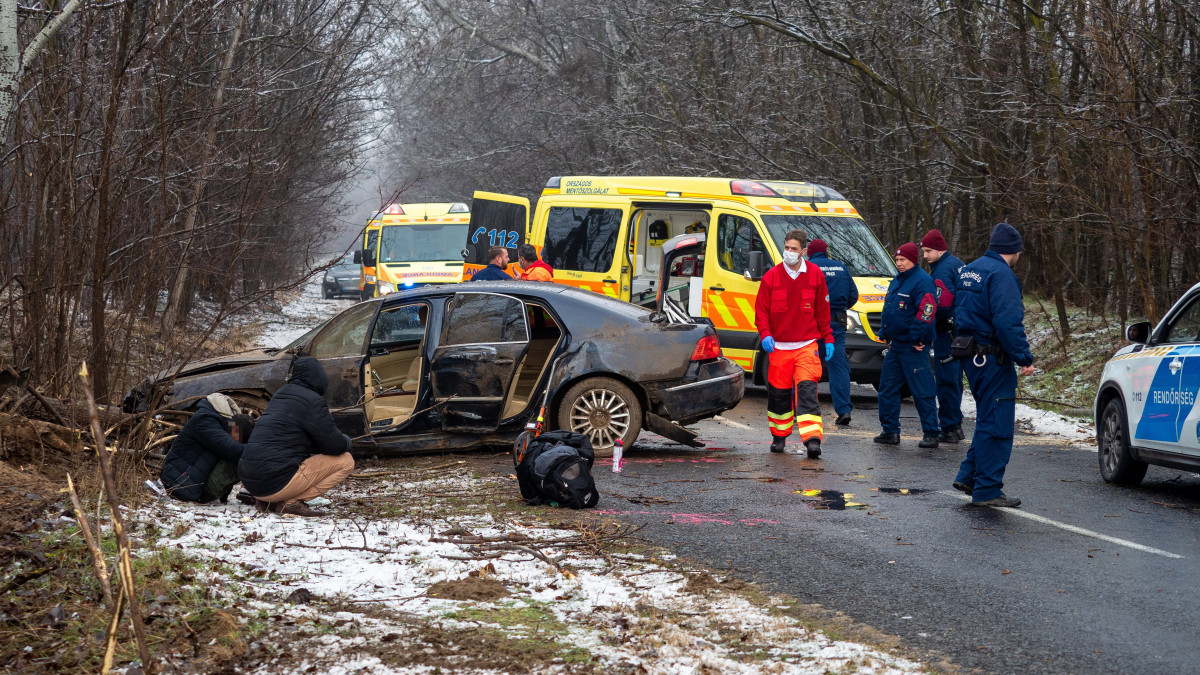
{"points": [[910, 251], [934, 240], [817, 246]]}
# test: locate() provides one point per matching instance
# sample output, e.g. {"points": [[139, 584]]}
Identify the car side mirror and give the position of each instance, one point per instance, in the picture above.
{"points": [[1138, 333], [358, 257], [366, 257], [754, 265]]}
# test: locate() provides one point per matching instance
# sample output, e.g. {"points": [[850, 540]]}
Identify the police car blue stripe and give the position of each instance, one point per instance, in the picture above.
{"points": [[1171, 397]]}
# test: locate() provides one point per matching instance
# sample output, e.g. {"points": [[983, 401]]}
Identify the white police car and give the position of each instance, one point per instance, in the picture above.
{"points": [[1146, 407]]}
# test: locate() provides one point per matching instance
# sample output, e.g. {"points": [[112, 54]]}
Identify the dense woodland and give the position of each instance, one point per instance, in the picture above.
{"points": [[161, 151]]}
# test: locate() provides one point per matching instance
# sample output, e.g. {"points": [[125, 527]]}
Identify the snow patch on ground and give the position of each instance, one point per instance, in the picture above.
{"points": [[629, 612], [300, 315], [1045, 423]]}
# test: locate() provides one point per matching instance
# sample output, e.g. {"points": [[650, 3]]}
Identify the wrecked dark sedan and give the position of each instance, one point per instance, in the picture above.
{"points": [[463, 366]]}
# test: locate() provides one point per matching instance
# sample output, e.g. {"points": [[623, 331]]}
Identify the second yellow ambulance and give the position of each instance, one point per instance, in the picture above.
{"points": [[410, 245]]}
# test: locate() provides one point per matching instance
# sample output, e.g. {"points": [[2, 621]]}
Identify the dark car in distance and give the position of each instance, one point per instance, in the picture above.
{"points": [[468, 365], [342, 280]]}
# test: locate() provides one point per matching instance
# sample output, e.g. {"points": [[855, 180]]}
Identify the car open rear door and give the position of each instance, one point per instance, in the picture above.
{"points": [[496, 220], [484, 336]]}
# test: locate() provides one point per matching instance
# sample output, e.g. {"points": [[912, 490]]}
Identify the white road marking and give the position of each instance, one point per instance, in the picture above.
{"points": [[1077, 530], [735, 425]]}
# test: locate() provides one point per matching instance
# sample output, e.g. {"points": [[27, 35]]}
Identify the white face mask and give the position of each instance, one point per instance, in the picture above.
{"points": [[791, 258]]}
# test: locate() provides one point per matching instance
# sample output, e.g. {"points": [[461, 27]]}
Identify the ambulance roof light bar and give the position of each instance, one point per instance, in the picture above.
{"points": [[394, 210], [751, 188], [458, 207]]}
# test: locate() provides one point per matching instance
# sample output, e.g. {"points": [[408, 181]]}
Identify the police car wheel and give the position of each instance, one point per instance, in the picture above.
{"points": [[1117, 465], [602, 409]]}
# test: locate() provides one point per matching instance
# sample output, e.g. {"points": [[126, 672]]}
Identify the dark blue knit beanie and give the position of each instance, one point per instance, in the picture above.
{"points": [[1006, 239]]}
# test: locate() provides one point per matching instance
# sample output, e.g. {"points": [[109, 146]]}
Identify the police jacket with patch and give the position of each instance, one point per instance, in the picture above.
{"points": [[988, 306], [295, 426], [202, 442], [945, 282], [843, 292], [909, 308]]}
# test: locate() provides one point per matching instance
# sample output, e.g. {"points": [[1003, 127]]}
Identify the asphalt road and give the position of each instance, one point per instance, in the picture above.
{"points": [[1084, 578]]}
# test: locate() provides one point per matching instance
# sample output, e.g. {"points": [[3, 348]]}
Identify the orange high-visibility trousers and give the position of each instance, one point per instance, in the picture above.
{"points": [[792, 392]]}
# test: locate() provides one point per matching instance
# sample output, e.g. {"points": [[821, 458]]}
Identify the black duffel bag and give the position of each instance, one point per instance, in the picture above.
{"points": [[556, 469]]}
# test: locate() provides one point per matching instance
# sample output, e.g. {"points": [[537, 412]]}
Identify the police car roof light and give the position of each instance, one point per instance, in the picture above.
{"points": [[751, 188]]}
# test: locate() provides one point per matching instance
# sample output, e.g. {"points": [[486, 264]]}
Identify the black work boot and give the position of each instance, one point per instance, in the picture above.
{"points": [[779, 444], [814, 448], [843, 420], [951, 435], [930, 441], [888, 438], [963, 487]]}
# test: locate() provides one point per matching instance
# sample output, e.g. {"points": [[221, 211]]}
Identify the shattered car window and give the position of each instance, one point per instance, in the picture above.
{"points": [[345, 334], [484, 318], [400, 324]]}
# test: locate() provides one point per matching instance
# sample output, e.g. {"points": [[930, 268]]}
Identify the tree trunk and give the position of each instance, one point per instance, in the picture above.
{"points": [[175, 303]]}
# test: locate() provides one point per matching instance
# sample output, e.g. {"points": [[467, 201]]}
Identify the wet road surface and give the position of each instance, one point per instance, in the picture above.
{"points": [[1085, 577]]}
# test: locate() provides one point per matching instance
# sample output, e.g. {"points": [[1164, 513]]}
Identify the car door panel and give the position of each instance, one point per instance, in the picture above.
{"points": [[484, 337], [340, 348], [1189, 427], [1171, 398]]}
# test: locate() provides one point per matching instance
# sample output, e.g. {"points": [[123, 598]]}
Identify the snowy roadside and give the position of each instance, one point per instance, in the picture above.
{"points": [[427, 567], [1074, 432], [300, 315]]}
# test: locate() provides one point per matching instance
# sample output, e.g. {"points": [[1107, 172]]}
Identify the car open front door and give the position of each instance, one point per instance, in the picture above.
{"points": [[496, 220], [484, 336], [340, 347]]}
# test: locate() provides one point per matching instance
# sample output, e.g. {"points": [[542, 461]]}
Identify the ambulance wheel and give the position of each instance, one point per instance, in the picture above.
{"points": [[1117, 464], [602, 409]]}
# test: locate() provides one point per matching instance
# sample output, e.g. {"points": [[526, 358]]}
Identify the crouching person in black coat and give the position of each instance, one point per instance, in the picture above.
{"points": [[297, 452], [201, 465]]}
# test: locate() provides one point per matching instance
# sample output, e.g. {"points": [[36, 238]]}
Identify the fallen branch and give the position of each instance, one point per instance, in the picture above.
{"points": [[46, 404], [24, 577], [125, 564], [97, 555], [337, 548]]}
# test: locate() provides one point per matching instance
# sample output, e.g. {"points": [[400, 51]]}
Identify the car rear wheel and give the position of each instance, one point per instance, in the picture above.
{"points": [[1117, 464], [326, 293], [602, 409]]}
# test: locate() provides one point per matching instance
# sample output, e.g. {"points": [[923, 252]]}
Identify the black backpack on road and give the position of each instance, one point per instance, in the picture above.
{"points": [[556, 469]]}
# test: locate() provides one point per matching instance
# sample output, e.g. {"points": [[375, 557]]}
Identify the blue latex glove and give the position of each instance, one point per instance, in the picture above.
{"points": [[768, 344], [828, 350]]}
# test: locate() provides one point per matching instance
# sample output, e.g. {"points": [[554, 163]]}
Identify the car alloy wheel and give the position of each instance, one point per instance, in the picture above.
{"points": [[604, 410], [1117, 464]]}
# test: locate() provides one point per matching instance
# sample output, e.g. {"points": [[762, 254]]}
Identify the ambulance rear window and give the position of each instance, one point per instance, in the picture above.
{"points": [[581, 239]]}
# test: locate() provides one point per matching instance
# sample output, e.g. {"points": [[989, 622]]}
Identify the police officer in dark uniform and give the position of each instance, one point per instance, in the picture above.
{"points": [[944, 268], [843, 294], [908, 313], [988, 308]]}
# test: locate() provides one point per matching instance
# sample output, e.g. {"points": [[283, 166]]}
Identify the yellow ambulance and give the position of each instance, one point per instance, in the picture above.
{"points": [[605, 234], [410, 245]]}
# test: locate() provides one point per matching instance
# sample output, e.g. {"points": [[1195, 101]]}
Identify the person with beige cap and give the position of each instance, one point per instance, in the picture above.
{"points": [[201, 465]]}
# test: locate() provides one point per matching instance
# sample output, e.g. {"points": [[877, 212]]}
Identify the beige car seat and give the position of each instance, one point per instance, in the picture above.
{"points": [[412, 381]]}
